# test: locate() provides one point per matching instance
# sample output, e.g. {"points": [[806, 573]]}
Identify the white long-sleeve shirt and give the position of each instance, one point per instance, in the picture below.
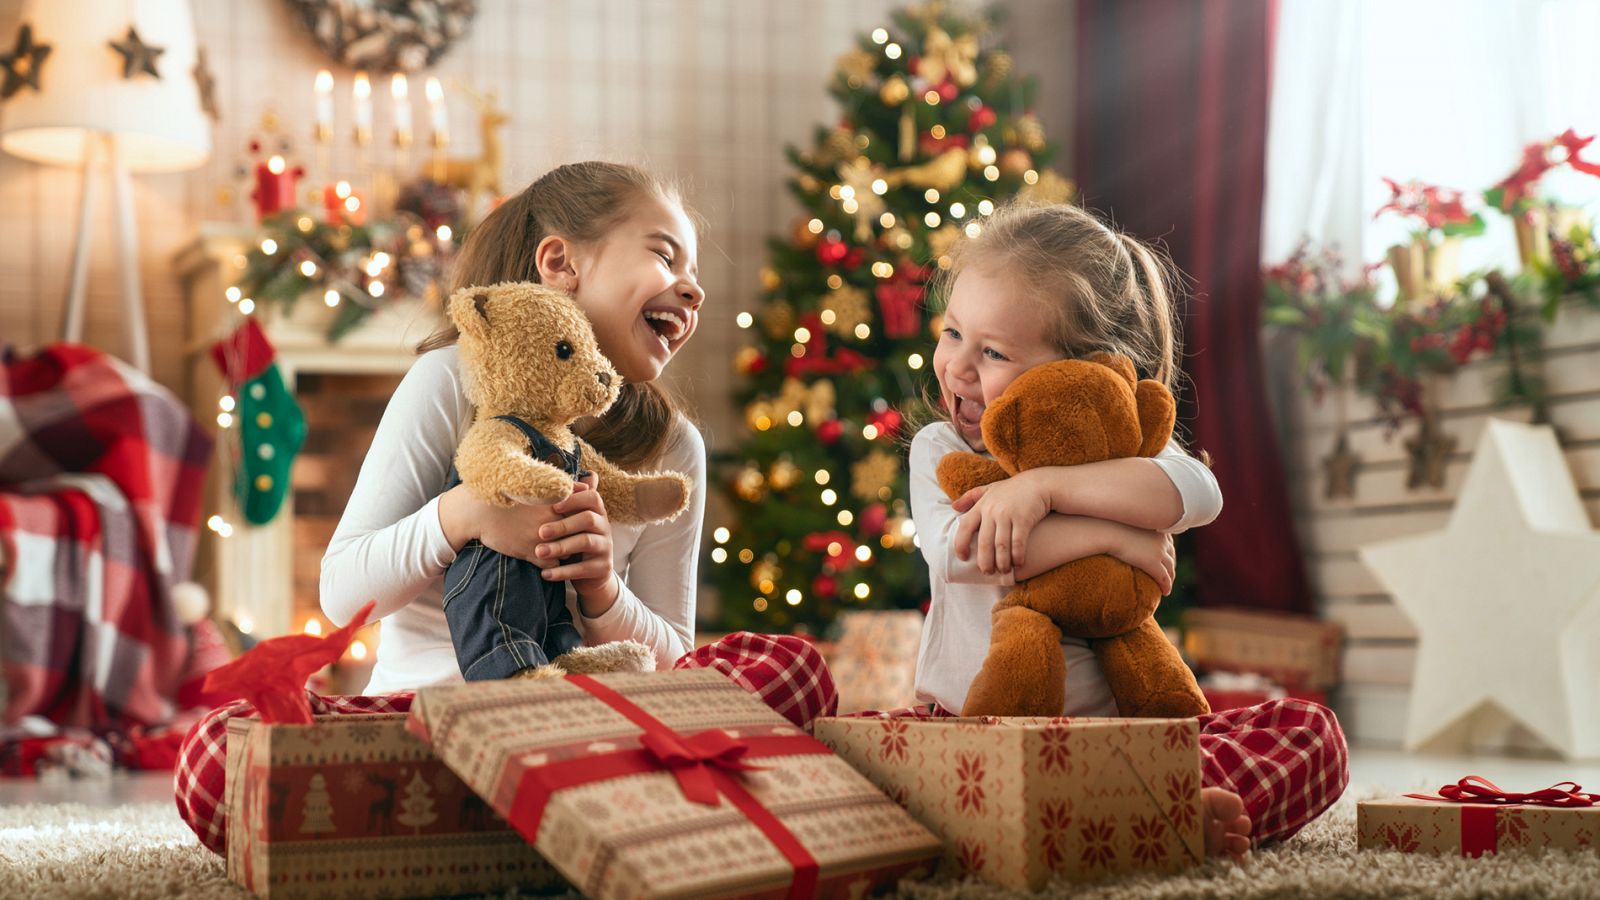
{"points": [[955, 637], [389, 545]]}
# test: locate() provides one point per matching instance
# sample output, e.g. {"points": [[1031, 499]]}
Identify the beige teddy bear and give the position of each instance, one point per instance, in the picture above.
{"points": [[531, 367]]}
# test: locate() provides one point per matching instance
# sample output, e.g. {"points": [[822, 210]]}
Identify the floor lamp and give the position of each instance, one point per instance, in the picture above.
{"points": [[113, 86]]}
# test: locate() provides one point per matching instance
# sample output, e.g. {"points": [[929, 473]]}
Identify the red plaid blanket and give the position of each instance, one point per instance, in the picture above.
{"points": [[101, 471]]}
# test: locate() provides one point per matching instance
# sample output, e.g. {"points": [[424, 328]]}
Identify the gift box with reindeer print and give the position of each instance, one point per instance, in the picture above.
{"points": [[1019, 801], [355, 806]]}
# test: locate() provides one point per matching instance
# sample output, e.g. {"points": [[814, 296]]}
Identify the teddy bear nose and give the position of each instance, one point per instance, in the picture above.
{"points": [[605, 378]]}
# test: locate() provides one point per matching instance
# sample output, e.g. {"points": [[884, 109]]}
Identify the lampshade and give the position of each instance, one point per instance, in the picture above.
{"points": [[158, 121]]}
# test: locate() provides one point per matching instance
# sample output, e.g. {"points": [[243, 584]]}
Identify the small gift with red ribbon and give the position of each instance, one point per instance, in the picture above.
{"points": [[1474, 816], [671, 784]]}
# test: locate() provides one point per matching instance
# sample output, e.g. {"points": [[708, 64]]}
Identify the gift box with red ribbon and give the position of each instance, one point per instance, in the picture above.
{"points": [[1019, 801], [1474, 816], [671, 784], [355, 806]]}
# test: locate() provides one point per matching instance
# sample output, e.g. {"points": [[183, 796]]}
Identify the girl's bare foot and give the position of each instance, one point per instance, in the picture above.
{"points": [[1226, 825]]}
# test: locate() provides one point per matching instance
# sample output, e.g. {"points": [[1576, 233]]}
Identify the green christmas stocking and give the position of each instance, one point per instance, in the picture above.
{"points": [[271, 425]]}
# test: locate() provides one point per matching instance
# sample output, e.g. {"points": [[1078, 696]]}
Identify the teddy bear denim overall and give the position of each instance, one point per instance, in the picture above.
{"points": [[503, 615]]}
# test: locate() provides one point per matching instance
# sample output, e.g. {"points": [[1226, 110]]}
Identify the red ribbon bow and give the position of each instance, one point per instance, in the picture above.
{"points": [[1477, 789], [692, 758]]}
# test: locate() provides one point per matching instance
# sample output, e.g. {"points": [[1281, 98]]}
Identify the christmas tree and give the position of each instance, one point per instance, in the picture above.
{"points": [[317, 813], [935, 130], [416, 807]]}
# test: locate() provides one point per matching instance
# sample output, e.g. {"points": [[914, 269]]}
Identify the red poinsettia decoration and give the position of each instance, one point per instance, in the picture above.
{"points": [[272, 675], [1538, 158], [1437, 208]]}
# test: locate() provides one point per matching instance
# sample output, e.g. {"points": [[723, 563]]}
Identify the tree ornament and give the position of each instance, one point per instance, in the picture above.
{"points": [[769, 279], [1049, 188], [887, 421], [24, 62], [982, 117], [1015, 162], [850, 308], [942, 173], [1428, 455], [272, 427], [942, 239], [808, 183], [997, 66], [206, 84], [871, 476], [749, 361], [815, 401], [840, 144], [803, 236], [830, 431], [859, 175], [831, 251], [764, 574], [783, 474], [825, 586], [137, 56], [779, 320], [872, 519], [900, 301], [857, 66], [944, 57], [838, 548], [750, 484], [1030, 132], [894, 91]]}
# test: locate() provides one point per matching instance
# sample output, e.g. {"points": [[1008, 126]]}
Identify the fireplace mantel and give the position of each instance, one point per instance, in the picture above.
{"points": [[250, 573]]}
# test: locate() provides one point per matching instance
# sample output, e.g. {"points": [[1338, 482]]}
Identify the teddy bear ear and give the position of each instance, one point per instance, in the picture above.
{"points": [[1117, 363], [1157, 415], [469, 310], [1002, 426]]}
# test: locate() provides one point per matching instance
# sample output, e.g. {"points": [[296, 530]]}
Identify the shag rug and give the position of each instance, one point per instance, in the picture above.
{"points": [[144, 851]]}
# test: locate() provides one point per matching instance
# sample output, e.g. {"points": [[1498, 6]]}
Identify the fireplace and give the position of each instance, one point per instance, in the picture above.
{"points": [[264, 579]]}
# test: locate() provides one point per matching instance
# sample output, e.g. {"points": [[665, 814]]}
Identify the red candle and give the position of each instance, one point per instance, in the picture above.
{"points": [[341, 205], [275, 187]]}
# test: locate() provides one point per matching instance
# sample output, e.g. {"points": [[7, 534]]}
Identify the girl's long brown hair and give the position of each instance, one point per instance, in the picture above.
{"points": [[579, 202]]}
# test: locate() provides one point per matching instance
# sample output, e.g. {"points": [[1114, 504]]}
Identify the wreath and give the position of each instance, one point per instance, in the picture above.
{"points": [[386, 35]]}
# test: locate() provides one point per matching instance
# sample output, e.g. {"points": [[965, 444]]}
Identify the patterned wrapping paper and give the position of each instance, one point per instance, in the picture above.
{"points": [[355, 806], [1018, 801], [634, 833], [1411, 825], [874, 662]]}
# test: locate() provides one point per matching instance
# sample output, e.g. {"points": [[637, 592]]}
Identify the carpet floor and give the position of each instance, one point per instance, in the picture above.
{"points": [[143, 851]]}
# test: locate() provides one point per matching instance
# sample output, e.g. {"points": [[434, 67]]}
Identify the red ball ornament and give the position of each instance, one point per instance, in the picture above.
{"points": [[832, 251], [825, 586], [853, 259], [887, 423], [830, 431], [948, 90], [981, 118], [873, 518]]}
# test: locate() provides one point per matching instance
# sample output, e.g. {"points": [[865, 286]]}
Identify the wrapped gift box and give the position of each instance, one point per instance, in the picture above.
{"points": [[355, 806], [1299, 652], [671, 784], [1018, 801], [874, 662], [1414, 825]]}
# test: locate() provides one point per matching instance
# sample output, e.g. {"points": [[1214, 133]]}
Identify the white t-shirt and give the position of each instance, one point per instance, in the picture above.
{"points": [[389, 545], [955, 638]]}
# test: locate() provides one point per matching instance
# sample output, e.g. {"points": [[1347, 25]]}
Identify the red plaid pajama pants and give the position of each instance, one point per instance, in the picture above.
{"points": [[1285, 758]]}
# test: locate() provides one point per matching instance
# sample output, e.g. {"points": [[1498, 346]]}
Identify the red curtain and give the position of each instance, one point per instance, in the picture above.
{"points": [[1170, 141]]}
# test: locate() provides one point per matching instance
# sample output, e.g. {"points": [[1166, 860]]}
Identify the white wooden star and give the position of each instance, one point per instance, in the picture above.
{"points": [[1506, 599]]}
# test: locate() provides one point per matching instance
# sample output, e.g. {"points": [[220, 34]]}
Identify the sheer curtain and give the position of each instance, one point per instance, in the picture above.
{"points": [[1445, 91]]}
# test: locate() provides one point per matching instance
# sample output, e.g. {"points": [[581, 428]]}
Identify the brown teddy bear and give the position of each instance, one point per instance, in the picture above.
{"points": [[1063, 414], [531, 366]]}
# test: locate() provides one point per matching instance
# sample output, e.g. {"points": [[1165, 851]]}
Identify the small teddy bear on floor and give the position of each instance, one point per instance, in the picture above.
{"points": [[531, 367]]}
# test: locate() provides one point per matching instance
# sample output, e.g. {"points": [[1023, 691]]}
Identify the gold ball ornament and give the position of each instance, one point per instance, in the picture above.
{"points": [[894, 91], [745, 359], [874, 474], [998, 66], [784, 474], [750, 484], [779, 320], [769, 279], [802, 235], [1030, 132], [1014, 162]]}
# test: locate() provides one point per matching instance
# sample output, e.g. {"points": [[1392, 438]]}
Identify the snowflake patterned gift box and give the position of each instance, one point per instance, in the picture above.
{"points": [[356, 806], [1473, 817], [671, 784], [1018, 801]]}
